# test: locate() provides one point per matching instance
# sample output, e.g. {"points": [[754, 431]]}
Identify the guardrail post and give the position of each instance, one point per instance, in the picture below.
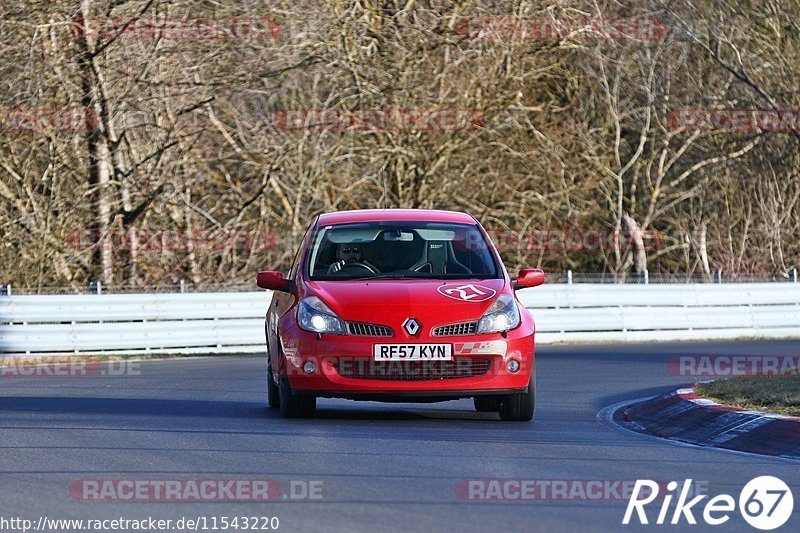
{"points": [[98, 288], [646, 275], [792, 275], [182, 286], [569, 277], [8, 288], [717, 276]]}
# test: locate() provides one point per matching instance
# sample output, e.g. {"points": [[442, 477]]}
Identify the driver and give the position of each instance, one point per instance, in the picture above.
{"points": [[347, 254]]}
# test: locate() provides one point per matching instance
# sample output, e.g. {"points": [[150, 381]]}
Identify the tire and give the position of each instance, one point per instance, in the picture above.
{"points": [[273, 395], [295, 406], [486, 404], [520, 407]]}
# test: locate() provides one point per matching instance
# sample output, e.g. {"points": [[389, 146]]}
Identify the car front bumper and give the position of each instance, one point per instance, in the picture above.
{"points": [[344, 366]]}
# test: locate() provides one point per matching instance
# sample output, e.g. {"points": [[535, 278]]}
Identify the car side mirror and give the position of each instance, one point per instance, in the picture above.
{"points": [[274, 281], [528, 277]]}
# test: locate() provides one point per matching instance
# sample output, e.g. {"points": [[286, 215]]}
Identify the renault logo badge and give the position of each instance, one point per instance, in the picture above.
{"points": [[411, 326]]}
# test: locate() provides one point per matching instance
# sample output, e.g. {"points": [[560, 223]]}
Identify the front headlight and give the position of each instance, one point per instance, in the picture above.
{"points": [[314, 315], [503, 315]]}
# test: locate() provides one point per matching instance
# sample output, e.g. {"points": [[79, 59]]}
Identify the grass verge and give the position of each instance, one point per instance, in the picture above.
{"points": [[774, 394]]}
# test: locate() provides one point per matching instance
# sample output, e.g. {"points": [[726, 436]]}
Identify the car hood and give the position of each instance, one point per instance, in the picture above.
{"points": [[390, 302]]}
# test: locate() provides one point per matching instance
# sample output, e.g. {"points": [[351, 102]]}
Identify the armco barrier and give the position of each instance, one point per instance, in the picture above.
{"points": [[234, 322], [664, 312]]}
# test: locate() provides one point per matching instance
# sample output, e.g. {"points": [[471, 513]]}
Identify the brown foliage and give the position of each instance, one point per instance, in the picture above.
{"points": [[184, 138]]}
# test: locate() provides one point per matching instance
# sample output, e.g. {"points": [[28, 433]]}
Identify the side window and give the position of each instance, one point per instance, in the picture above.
{"points": [[296, 260]]}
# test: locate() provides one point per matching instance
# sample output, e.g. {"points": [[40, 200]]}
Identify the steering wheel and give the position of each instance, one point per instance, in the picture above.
{"points": [[363, 266]]}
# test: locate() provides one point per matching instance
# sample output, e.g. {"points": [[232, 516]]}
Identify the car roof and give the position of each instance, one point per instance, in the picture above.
{"points": [[381, 215]]}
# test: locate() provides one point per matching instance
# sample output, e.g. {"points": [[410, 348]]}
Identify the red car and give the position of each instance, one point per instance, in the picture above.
{"points": [[399, 305]]}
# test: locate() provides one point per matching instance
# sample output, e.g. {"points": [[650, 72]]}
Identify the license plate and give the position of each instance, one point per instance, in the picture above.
{"points": [[412, 352]]}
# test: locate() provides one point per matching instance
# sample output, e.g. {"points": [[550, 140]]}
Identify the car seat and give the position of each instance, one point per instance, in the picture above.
{"points": [[438, 258]]}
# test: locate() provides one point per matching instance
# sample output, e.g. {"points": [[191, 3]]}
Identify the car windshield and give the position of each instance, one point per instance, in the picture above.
{"points": [[397, 250]]}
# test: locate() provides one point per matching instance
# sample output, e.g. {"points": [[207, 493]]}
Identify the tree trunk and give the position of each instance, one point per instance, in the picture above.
{"points": [[633, 235], [99, 151], [702, 250]]}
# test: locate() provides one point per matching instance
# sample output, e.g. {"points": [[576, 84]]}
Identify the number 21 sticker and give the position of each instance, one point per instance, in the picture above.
{"points": [[467, 293]]}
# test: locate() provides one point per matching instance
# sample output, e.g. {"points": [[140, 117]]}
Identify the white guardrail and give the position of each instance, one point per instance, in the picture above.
{"points": [[233, 322]]}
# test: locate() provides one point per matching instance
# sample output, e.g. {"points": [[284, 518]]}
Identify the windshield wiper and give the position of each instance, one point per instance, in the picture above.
{"points": [[419, 275], [384, 276]]}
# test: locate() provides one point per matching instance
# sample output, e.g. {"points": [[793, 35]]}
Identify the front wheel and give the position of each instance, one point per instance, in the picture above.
{"points": [[520, 407], [293, 405], [273, 395]]}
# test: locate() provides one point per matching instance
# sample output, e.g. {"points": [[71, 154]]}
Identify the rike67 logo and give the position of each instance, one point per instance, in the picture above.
{"points": [[766, 503]]}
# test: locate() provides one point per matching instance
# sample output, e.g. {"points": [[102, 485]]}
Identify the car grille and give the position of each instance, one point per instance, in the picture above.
{"points": [[412, 370], [363, 329], [462, 328]]}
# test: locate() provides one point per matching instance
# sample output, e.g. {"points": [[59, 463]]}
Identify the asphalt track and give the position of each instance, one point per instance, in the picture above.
{"points": [[382, 467]]}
